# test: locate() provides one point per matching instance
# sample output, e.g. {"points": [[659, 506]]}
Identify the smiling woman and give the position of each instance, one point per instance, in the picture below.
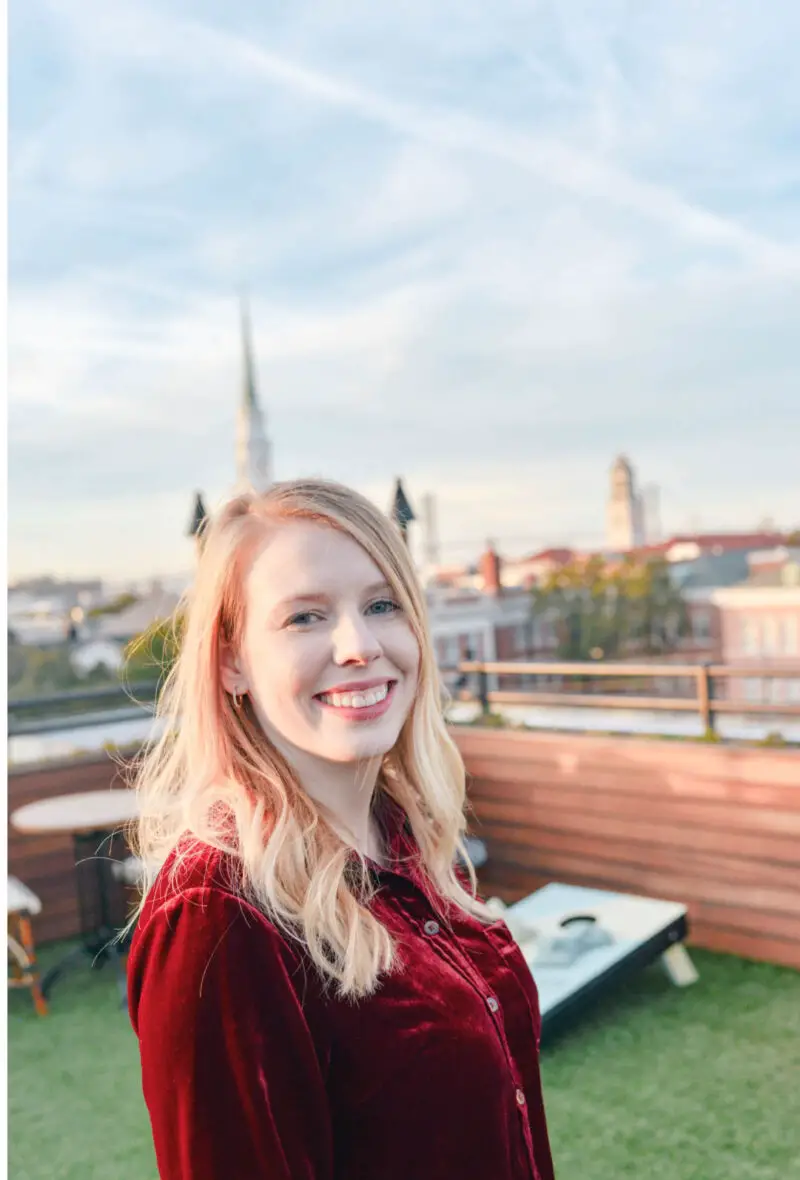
{"points": [[304, 940]]}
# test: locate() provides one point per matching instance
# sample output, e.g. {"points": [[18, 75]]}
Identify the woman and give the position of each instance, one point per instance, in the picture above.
{"points": [[316, 992]]}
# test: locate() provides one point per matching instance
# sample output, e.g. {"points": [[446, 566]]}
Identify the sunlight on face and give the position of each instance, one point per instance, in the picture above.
{"points": [[320, 616]]}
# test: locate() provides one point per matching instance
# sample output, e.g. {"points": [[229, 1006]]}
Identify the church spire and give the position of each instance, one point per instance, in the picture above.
{"points": [[252, 446], [198, 521], [249, 398], [401, 511]]}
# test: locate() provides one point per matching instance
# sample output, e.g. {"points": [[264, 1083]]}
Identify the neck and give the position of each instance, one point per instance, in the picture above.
{"points": [[346, 790]]}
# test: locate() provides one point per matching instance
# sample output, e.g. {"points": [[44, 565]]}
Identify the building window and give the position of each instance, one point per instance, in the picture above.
{"points": [[770, 641], [752, 690], [793, 691], [790, 636], [750, 637], [701, 625]]}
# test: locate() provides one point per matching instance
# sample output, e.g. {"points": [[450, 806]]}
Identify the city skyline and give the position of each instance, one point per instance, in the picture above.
{"points": [[487, 254]]}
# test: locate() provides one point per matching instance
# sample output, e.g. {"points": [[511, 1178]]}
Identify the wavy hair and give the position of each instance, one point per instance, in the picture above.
{"points": [[212, 777]]}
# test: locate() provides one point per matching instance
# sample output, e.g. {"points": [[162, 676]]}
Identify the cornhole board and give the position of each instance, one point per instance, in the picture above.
{"points": [[581, 943]]}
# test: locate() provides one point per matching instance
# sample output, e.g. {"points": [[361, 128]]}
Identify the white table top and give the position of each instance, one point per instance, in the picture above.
{"points": [[86, 811]]}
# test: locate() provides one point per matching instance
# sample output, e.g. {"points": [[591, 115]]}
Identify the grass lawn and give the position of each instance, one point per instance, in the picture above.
{"points": [[656, 1082]]}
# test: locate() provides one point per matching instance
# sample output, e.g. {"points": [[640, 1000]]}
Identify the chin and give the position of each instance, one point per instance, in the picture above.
{"points": [[369, 746]]}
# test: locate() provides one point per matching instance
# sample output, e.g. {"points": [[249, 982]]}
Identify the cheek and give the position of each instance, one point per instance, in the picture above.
{"points": [[280, 672], [404, 652]]}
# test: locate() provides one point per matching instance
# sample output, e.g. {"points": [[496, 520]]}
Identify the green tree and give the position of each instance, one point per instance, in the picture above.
{"points": [[150, 656], [115, 607], [41, 671], [604, 611]]}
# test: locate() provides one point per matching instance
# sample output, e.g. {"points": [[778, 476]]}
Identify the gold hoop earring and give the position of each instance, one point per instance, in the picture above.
{"points": [[237, 700]]}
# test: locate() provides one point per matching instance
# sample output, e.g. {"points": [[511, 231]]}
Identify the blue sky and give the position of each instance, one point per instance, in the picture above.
{"points": [[487, 248]]}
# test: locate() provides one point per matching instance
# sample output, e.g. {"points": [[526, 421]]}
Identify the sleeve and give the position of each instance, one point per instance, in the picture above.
{"points": [[231, 1075]]}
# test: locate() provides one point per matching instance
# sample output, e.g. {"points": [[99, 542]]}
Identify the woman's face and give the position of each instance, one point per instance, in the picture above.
{"points": [[328, 657]]}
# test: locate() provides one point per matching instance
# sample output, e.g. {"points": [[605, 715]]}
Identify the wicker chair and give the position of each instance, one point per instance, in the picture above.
{"points": [[23, 904]]}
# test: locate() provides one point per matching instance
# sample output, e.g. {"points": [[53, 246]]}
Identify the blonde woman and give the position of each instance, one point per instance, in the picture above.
{"points": [[318, 993]]}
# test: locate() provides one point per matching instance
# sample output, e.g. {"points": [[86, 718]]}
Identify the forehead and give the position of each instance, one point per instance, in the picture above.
{"points": [[303, 557]]}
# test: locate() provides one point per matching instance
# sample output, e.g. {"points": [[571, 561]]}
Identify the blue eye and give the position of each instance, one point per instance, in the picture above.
{"points": [[393, 607], [298, 620]]}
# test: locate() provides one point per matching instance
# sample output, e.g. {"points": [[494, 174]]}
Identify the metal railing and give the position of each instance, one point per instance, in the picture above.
{"points": [[63, 710], [706, 691]]}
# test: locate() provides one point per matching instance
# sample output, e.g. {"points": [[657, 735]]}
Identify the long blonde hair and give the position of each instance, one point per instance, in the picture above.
{"points": [[214, 777]]}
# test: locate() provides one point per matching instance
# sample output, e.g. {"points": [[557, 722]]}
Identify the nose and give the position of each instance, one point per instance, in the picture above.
{"points": [[354, 641]]}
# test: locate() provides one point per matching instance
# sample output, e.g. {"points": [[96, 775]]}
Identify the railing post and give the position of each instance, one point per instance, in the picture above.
{"points": [[483, 690], [705, 697]]}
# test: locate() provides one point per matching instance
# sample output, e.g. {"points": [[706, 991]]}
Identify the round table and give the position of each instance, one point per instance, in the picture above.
{"points": [[91, 818]]}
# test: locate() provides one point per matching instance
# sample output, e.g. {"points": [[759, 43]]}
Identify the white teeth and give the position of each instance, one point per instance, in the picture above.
{"points": [[355, 700]]}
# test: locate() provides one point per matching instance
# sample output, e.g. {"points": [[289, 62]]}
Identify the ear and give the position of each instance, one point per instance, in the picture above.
{"points": [[230, 670]]}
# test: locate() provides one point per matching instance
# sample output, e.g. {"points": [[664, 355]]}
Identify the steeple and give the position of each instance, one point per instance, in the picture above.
{"points": [[401, 511], [198, 520], [624, 508], [252, 446], [249, 399]]}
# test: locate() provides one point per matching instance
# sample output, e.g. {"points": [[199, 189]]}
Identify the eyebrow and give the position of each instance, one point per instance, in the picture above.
{"points": [[313, 596]]}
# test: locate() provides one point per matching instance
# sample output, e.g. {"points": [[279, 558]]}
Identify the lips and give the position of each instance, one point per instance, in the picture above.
{"points": [[349, 711], [357, 686], [358, 696]]}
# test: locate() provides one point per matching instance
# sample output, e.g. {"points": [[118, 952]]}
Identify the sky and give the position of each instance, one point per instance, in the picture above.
{"points": [[487, 247]]}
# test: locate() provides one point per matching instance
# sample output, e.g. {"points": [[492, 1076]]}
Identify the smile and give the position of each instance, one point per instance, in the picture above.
{"points": [[367, 699]]}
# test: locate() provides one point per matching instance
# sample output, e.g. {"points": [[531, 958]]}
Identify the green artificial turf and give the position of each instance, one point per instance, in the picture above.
{"points": [[655, 1082]]}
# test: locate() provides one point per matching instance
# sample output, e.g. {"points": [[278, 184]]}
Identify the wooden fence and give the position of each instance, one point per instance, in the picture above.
{"points": [[716, 827], [47, 863]]}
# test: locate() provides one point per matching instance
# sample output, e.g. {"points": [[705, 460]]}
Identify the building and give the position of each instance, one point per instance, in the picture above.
{"points": [[253, 449], [253, 452], [157, 604], [625, 512], [531, 570], [474, 615], [760, 623]]}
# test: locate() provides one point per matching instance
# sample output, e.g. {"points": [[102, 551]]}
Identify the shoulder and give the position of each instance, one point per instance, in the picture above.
{"points": [[195, 932]]}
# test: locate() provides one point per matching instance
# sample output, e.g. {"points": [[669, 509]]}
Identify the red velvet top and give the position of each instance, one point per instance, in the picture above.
{"points": [[251, 1072]]}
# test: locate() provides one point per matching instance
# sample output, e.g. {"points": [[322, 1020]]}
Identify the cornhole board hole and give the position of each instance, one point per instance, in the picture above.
{"points": [[582, 943]]}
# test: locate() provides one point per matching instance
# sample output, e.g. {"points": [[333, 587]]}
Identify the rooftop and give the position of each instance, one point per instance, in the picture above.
{"points": [[655, 1081]]}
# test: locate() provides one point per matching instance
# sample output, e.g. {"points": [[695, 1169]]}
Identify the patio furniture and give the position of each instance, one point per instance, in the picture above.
{"points": [[23, 904], [129, 871], [91, 818], [581, 943], [477, 850]]}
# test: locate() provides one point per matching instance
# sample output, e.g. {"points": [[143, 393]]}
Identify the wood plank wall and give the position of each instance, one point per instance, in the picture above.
{"points": [[47, 863], [714, 827]]}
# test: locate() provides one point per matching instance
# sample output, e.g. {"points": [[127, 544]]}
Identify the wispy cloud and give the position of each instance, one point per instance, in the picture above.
{"points": [[487, 249]]}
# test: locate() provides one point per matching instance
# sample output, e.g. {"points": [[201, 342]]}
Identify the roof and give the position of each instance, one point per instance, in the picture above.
{"points": [[137, 618], [401, 511], [199, 518], [557, 555], [723, 542], [775, 576]]}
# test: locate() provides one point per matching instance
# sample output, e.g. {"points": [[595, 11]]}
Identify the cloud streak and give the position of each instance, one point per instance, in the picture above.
{"points": [[487, 252]]}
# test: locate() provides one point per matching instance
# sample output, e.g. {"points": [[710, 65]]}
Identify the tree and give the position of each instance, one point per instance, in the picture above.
{"points": [[604, 611], [115, 607], [153, 653]]}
